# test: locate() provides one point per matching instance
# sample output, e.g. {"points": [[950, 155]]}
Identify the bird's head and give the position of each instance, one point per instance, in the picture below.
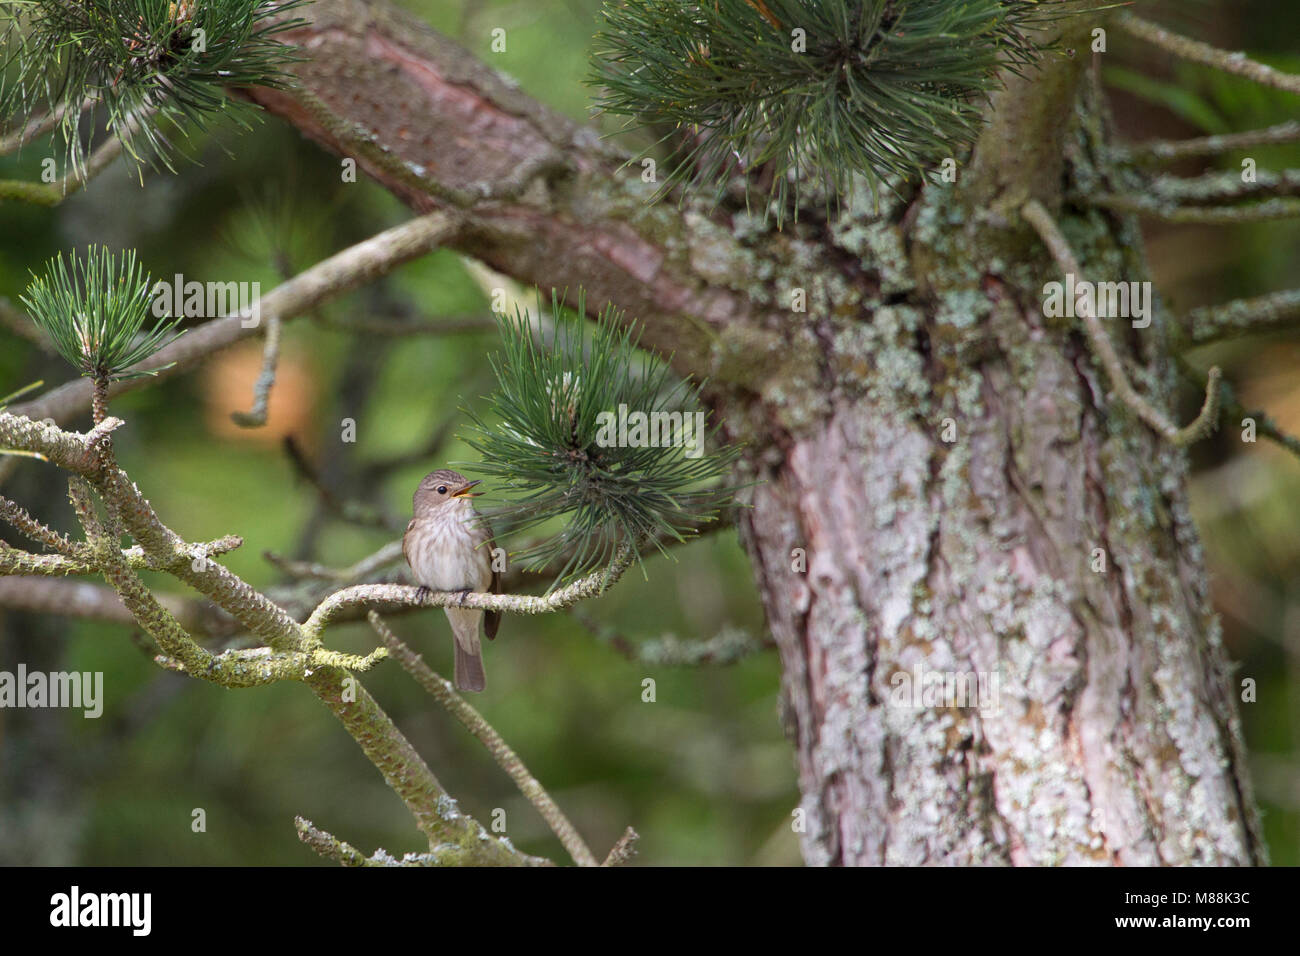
{"points": [[442, 488]]}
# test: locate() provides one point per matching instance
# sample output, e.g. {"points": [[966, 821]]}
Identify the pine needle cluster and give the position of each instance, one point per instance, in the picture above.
{"points": [[548, 445], [150, 65], [94, 310], [820, 89]]}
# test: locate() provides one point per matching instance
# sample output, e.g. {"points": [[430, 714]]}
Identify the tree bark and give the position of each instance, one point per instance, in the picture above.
{"points": [[940, 466]]}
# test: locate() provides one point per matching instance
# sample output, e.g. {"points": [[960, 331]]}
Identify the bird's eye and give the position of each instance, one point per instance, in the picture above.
{"points": [[442, 489]]}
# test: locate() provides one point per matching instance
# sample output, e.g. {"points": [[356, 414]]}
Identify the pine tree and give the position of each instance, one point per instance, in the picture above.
{"points": [[844, 266]]}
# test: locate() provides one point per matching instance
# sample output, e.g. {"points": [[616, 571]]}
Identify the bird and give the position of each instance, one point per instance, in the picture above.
{"points": [[449, 548]]}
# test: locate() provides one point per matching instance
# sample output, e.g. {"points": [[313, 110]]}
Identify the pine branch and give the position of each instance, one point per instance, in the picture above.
{"points": [[94, 310], [76, 177], [441, 690], [35, 128], [597, 582]]}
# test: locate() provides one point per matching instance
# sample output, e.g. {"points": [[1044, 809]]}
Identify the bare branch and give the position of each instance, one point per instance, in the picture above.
{"points": [[726, 647], [18, 516], [1164, 210], [82, 599], [1167, 151], [34, 129], [20, 323], [1198, 52], [292, 654], [326, 280], [1038, 217], [365, 594], [1255, 316], [441, 690], [1226, 186]]}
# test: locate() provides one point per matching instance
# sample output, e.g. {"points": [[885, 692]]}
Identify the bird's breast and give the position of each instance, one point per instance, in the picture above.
{"points": [[446, 556]]}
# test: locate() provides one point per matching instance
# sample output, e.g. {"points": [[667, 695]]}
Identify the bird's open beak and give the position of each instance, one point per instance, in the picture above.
{"points": [[465, 491]]}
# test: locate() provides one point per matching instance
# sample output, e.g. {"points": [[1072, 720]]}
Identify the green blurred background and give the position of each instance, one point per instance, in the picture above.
{"points": [[704, 773]]}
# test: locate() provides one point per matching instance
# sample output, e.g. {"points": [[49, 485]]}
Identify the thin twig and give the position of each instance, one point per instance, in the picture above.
{"points": [[377, 325], [22, 520], [51, 194], [372, 471], [1235, 411], [1197, 52], [1221, 187], [1167, 151], [1038, 217], [20, 323], [38, 127], [354, 511], [624, 849], [1166, 210], [441, 690], [1255, 316], [726, 647], [256, 417], [82, 599], [291, 654], [328, 845]]}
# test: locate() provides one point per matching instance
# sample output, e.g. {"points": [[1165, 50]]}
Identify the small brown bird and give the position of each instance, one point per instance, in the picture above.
{"points": [[449, 548]]}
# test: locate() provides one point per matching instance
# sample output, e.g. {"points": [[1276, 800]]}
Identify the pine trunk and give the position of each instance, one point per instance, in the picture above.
{"points": [[945, 486]]}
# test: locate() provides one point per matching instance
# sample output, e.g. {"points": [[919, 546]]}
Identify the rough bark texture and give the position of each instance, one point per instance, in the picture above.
{"points": [[947, 459]]}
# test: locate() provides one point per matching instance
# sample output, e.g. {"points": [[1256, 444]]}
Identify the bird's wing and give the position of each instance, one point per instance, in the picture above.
{"points": [[492, 619], [406, 543]]}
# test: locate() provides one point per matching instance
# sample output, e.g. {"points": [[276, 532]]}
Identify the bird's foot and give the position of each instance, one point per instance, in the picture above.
{"points": [[464, 592], [422, 593]]}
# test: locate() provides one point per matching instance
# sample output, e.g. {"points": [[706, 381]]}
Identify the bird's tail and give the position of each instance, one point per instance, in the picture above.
{"points": [[465, 624], [469, 669]]}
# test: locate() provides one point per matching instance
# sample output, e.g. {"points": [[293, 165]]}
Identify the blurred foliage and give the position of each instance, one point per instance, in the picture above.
{"points": [[705, 773]]}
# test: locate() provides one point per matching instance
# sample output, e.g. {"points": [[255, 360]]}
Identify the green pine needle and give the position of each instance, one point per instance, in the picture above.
{"points": [[19, 393], [94, 311], [154, 65], [556, 409], [884, 88]]}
